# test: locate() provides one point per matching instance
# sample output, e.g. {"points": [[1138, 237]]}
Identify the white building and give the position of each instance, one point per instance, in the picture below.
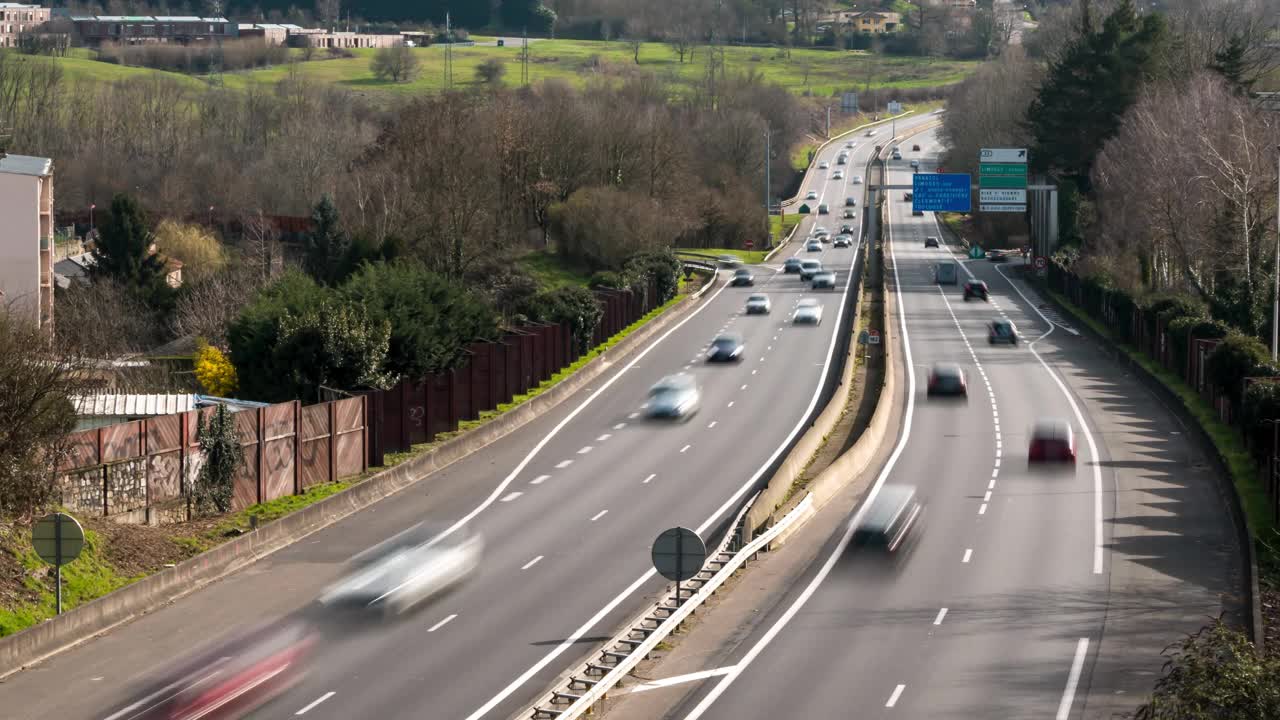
{"points": [[26, 237]]}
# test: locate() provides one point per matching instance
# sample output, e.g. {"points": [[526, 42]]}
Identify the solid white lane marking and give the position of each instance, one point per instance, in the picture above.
{"points": [[968, 553], [897, 693], [599, 515], [619, 426], [442, 623], [651, 476], [563, 464], [1073, 679], [941, 614], [511, 496], [585, 450], [681, 679], [686, 447], [603, 437], [311, 705], [540, 479], [531, 563], [711, 424]]}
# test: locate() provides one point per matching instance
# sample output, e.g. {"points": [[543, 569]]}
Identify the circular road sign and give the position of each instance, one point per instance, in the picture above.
{"points": [[1042, 262], [678, 554], [749, 244], [875, 337], [57, 538]]}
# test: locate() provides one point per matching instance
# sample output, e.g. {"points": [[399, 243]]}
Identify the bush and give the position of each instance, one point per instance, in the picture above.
{"points": [[215, 372], [1214, 674], [1169, 307], [1233, 360], [662, 265], [491, 71], [1182, 329], [215, 485], [607, 279], [335, 344], [253, 335], [576, 307], [431, 318]]}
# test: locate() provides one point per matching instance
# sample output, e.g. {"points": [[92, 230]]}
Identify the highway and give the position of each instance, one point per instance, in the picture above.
{"points": [[1026, 594], [568, 507]]}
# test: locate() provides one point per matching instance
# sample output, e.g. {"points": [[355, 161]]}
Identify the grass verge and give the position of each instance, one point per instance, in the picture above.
{"points": [[780, 225]]}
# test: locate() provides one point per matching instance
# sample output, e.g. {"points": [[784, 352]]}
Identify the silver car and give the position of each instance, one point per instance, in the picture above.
{"points": [[825, 280], [758, 305], [813, 246], [809, 268], [406, 570], [808, 312], [674, 397]]}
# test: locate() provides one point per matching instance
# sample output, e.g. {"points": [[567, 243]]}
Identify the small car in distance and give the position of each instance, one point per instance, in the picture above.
{"points": [[850, 214], [846, 229], [915, 164], [977, 289], [791, 265], [823, 209], [851, 201], [824, 280], [871, 133], [998, 255], [931, 241], [890, 520], [809, 268], [759, 304], [915, 148], [729, 261], [1002, 331], [1052, 441], [843, 159], [856, 180], [837, 175], [811, 195], [820, 230], [674, 397], [726, 348], [814, 245], [906, 196], [741, 277], [947, 379], [850, 144], [945, 273], [843, 241], [917, 213], [808, 312], [824, 165], [897, 154]]}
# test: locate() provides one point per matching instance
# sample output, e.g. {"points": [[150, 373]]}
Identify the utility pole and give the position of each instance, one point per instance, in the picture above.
{"points": [[1275, 306], [524, 59], [768, 154], [448, 54], [828, 121]]}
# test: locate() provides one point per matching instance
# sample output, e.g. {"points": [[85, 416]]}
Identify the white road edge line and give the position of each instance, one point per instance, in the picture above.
{"points": [[872, 492], [442, 623], [897, 693], [311, 705], [1073, 679], [680, 679]]}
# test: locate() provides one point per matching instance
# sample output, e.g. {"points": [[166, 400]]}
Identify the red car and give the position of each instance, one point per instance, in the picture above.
{"points": [[1052, 441]]}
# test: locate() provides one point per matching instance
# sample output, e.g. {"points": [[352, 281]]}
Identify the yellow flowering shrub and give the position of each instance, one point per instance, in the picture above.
{"points": [[215, 372]]}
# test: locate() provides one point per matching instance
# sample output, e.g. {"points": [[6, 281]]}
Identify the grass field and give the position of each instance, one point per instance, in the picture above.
{"points": [[551, 270]]}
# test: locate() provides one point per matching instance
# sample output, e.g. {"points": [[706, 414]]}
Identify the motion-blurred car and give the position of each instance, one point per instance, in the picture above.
{"points": [[674, 397], [824, 165], [843, 159], [837, 175], [871, 133], [998, 255], [820, 230], [743, 276], [406, 570], [856, 180], [1002, 331], [906, 196], [846, 229], [931, 241], [915, 164], [946, 273], [896, 154], [823, 209], [850, 214], [811, 195], [851, 201], [808, 312], [729, 261], [890, 520], [850, 144], [809, 268], [976, 289], [1052, 441], [760, 304], [791, 265], [726, 348], [824, 280], [843, 241], [228, 679], [813, 246], [947, 379]]}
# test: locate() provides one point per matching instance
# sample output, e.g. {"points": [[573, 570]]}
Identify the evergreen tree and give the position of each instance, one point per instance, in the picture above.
{"points": [[215, 485], [122, 252], [327, 244], [1088, 90], [1229, 63]]}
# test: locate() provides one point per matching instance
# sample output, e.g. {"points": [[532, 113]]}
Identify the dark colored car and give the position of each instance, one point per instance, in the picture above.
{"points": [[846, 229], [889, 521], [823, 209], [791, 265], [849, 214], [726, 348], [917, 213], [1052, 441], [976, 288], [998, 255], [947, 379], [915, 148], [850, 201], [931, 241], [1002, 331], [906, 196], [675, 397], [743, 276]]}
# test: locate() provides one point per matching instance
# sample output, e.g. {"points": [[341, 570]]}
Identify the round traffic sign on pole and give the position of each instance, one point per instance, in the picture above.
{"points": [[678, 554], [57, 539], [1042, 262], [874, 337]]}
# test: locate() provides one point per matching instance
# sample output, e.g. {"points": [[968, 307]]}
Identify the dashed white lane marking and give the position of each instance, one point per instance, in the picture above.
{"points": [[586, 450], [992, 484], [540, 479], [442, 623], [311, 705], [646, 480], [603, 437], [987, 498], [599, 515], [941, 614], [897, 693], [968, 553], [744, 387], [680, 679], [712, 424], [686, 447], [995, 472], [511, 496], [730, 403], [531, 563], [563, 464], [619, 426], [753, 372], [982, 509], [633, 415], [1073, 679]]}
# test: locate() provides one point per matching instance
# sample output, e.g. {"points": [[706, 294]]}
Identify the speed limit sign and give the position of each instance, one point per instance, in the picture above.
{"points": [[1042, 262]]}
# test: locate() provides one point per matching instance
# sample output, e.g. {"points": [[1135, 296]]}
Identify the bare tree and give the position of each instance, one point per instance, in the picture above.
{"points": [[397, 64], [264, 255], [207, 308], [635, 37], [988, 108], [328, 12]]}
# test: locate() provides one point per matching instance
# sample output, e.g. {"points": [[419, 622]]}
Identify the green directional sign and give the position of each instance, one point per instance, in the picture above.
{"points": [[975, 252], [1002, 169], [1002, 181]]}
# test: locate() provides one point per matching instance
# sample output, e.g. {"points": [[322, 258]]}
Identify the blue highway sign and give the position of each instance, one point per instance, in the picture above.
{"points": [[941, 192]]}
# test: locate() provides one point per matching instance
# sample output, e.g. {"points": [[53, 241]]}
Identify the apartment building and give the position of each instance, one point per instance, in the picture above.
{"points": [[133, 30], [16, 19], [26, 237]]}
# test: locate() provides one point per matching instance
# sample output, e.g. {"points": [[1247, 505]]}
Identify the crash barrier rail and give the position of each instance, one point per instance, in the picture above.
{"points": [[576, 693]]}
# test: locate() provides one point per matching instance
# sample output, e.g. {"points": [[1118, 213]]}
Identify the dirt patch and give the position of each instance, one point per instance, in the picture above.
{"points": [[140, 549]]}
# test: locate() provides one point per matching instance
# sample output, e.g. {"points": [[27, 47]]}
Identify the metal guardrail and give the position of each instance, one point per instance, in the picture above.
{"points": [[577, 693]]}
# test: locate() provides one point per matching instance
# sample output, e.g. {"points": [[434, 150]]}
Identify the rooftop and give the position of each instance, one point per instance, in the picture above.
{"points": [[25, 165], [24, 6]]}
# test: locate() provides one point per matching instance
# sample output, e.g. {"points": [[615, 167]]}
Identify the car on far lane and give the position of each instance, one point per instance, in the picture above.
{"points": [[837, 175], [824, 165], [726, 348], [820, 230], [850, 201], [946, 273], [871, 133], [743, 276], [843, 241], [811, 195], [906, 196], [976, 288], [915, 164], [947, 379], [998, 255], [843, 159], [856, 179], [890, 520], [917, 213], [791, 265], [915, 148], [808, 312], [814, 245], [729, 260], [850, 214], [850, 144], [931, 241], [824, 280], [809, 268], [897, 154], [1052, 441], [1000, 330], [823, 209], [759, 304], [674, 397]]}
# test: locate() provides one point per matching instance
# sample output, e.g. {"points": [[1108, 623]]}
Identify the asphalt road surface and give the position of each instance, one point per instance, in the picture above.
{"points": [[1026, 594], [568, 507]]}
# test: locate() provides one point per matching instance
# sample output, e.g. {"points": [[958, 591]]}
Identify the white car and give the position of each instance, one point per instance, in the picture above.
{"points": [[850, 144], [808, 312], [758, 305], [811, 195], [809, 268], [824, 165], [820, 230], [871, 133], [856, 180], [837, 175], [813, 246], [915, 163]]}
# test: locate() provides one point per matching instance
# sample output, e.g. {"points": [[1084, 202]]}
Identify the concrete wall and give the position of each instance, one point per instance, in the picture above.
{"points": [[20, 243]]}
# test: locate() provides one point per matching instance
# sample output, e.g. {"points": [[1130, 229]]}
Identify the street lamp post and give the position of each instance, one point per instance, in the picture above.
{"points": [[1275, 301]]}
